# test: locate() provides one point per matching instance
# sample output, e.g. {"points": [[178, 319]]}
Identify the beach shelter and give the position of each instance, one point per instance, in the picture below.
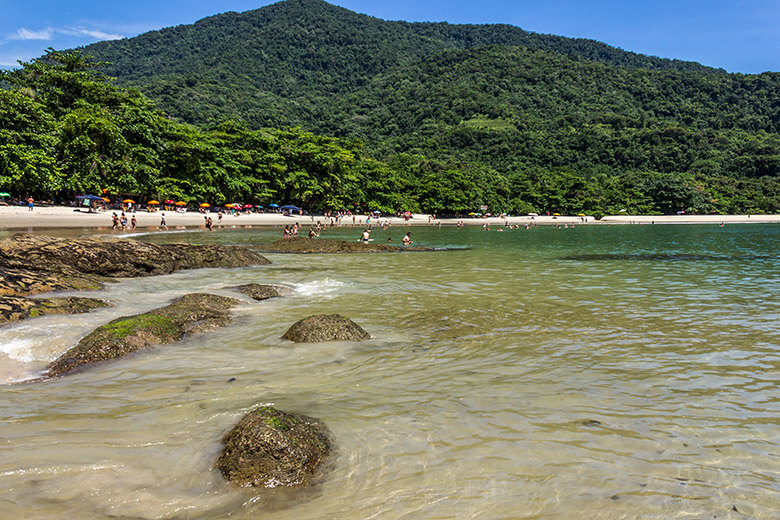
{"points": [[153, 203], [128, 201], [290, 207], [181, 203], [273, 205], [4, 194], [205, 205]]}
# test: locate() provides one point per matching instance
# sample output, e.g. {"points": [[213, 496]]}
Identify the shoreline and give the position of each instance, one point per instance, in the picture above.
{"points": [[20, 218]]}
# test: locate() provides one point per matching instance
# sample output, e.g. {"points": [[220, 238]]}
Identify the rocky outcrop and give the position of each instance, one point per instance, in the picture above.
{"points": [[270, 448], [15, 308], [117, 258], [323, 327], [35, 264], [326, 245], [189, 314], [263, 292]]}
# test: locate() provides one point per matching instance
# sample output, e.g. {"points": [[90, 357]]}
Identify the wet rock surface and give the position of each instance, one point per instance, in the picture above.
{"points": [[271, 448], [35, 264], [325, 327], [189, 314], [263, 292], [15, 308], [117, 258], [327, 245]]}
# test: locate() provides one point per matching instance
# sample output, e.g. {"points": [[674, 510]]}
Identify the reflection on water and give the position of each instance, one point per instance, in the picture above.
{"points": [[501, 381]]}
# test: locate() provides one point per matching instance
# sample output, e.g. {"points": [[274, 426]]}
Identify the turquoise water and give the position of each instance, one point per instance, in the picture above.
{"points": [[596, 372]]}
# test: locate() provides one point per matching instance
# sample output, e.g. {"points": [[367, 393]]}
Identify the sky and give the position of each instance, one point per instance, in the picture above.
{"points": [[736, 35]]}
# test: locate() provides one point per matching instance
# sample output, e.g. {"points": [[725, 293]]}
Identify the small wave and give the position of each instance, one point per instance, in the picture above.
{"points": [[318, 287], [19, 350], [159, 232]]}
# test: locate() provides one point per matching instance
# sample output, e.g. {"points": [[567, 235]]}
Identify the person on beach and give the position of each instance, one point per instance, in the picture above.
{"points": [[163, 225], [133, 222], [123, 222], [366, 236], [30, 204], [312, 233], [114, 222], [407, 240], [209, 224]]}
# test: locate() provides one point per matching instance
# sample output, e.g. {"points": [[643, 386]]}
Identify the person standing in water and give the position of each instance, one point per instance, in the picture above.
{"points": [[407, 240]]}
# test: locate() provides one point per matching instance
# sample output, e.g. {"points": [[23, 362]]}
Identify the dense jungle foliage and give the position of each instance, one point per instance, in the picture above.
{"points": [[424, 117]]}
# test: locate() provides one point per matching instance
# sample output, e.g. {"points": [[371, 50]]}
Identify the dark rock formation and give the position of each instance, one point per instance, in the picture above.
{"points": [[34, 264], [323, 245], [323, 327], [271, 448], [15, 308], [263, 292], [117, 258], [189, 314]]}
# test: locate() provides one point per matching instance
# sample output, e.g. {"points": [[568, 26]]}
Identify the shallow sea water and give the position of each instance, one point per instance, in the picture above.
{"points": [[599, 372]]}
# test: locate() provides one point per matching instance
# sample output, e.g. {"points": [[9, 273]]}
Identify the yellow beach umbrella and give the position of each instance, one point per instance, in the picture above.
{"points": [[153, 202], [205, 205], [129, 201], [181, 203]]}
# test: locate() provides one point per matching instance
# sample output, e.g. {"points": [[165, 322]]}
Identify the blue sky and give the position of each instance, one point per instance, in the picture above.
{"points": [[737, 35]]}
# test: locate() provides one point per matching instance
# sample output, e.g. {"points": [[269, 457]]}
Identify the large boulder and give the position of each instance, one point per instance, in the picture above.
{"points": [[325, 327], [15, 308], [189, 314], [270, 448], [262, 291]]}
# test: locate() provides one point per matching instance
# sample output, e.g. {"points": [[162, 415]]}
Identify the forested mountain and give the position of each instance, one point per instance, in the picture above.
{"points": [[420, 116], [283, 64]]}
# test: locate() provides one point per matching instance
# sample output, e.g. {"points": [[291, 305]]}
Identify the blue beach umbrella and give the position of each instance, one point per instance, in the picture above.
{"points": [[273, 205], [290, 207]]}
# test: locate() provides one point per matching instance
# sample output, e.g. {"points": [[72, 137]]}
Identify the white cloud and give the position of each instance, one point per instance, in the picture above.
{"points": [[26, 34], [92, 33]]}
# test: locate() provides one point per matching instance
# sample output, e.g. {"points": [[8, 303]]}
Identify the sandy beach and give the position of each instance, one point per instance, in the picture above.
{"points": [[49, 217]]}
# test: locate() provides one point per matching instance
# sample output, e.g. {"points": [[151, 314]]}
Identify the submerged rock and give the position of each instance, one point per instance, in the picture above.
{"points": [[263, 292], [15, 308], [189, 314], [324, 327], [327, 245], [271, 448]]}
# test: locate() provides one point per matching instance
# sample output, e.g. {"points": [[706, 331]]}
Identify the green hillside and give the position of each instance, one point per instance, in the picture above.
{"points": [[432, 117]]}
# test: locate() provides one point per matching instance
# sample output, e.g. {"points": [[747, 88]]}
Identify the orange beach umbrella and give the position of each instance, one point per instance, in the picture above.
{"points": [[181, 203], [205, 205], [153, 202], [129, 201]]}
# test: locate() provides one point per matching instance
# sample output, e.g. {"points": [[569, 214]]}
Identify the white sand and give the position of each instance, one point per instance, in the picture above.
{"points": [[42, 217]]}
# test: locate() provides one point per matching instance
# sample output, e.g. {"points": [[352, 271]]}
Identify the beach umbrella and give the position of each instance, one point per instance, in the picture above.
{"points": [[273, 205], [377, 212], [129, 201], [533, 214], [205, 205], [104, 199], [89, 197], [247, 206], [556, 214], [153, 203], [4, 194], [181, 203], [169, 201], [290, 207]]}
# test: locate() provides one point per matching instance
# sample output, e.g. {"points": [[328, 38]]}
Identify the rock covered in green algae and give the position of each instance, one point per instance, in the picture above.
{"points": [[270, 448], [263, 292], [117, 258], [325, 327], [189, 314], [15, 308], [327, 245]]}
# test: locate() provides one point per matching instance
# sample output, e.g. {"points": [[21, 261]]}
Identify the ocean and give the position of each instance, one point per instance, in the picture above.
{"points": [[604, 371]]}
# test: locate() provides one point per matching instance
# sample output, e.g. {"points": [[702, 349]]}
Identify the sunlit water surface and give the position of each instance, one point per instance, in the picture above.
{"points": [[599, 372]]}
